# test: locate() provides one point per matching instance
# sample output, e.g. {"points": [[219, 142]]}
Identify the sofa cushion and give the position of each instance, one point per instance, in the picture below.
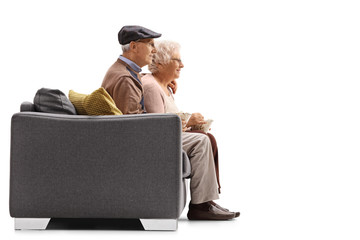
{"points": [[98, 102], [27, 107], [53, 101]]}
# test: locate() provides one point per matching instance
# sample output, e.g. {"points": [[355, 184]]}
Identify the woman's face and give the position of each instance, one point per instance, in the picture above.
{"points": [[174, 67]]}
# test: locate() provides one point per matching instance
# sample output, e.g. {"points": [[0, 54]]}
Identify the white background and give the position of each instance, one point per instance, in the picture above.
{"points": [[280, 79]]}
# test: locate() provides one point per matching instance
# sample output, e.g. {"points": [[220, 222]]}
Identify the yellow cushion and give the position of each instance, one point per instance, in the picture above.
{"points": [[98, 102]]}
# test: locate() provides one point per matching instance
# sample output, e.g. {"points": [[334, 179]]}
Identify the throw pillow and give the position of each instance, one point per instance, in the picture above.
{"points": [[98, 102], [53, 101]]}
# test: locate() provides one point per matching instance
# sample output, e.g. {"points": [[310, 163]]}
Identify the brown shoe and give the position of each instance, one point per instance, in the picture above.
{"points": [[218, 206], [237, 214], [206, 211]]}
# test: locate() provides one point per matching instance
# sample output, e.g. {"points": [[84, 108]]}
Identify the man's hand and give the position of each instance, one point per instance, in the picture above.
{"points": [[173, 86], [196, 118]]}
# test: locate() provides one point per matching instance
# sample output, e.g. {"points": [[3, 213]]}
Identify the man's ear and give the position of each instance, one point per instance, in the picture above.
{"points": [[133, 46]]}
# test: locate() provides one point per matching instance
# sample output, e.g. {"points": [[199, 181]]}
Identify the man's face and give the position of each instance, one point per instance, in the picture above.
{"points": [[145, 51]]}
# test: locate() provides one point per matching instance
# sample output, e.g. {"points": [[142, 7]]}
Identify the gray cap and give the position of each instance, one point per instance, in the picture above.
{"points": [[133, 33]]}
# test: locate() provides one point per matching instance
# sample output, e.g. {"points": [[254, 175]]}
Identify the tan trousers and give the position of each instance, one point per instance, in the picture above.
{"points": [[203, 184]]}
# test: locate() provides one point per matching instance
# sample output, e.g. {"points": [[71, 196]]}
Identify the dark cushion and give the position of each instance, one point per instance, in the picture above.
{"points": [[53, 101], [27, 107]]}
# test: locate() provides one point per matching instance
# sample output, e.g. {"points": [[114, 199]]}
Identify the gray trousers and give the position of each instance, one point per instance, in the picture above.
{"points": [[203, 183]]}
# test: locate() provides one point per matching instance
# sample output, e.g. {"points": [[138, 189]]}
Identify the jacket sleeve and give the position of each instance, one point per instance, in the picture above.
{"points": [[127, 96]]}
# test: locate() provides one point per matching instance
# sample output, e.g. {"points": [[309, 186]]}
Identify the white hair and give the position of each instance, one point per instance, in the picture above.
{"points": [[125, 47], [164, 51]]}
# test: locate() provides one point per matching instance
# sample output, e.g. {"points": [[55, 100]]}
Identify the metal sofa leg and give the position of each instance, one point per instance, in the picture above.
{"points": [[159, 224], [31, 223]]}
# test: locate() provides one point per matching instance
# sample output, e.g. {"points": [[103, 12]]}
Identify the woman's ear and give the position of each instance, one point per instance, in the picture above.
{"points": [[159, 66]]}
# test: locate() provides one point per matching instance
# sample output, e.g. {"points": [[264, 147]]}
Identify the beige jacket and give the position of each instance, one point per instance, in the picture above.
{"points": [[126, 91]]}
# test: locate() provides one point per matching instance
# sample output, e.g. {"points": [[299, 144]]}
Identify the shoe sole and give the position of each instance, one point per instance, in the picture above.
{"points": [[212, 218]]}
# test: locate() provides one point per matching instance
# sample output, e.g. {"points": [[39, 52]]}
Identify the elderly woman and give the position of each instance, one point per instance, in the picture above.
{"points": [[158, 97]]}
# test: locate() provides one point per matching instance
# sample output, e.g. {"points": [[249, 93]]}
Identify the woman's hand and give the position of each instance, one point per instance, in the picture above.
{"points": [[173, 86], [184, 127], [196, 118]]}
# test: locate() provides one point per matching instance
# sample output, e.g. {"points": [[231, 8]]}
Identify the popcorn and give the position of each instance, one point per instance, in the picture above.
{"points": [[203, 127], [184, 116]]}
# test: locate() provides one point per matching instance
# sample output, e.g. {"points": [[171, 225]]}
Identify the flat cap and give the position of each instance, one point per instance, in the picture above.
{"points": [[133, 33]]}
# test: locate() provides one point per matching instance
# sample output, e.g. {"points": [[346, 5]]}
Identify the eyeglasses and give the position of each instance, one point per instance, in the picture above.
{"points": [[177, 59]]}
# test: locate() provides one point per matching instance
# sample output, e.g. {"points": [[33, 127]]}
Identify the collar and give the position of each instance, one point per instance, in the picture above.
{"points": [[133, 65]]}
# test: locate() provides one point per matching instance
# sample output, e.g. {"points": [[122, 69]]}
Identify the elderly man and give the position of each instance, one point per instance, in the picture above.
{"points": [[123, 83]]}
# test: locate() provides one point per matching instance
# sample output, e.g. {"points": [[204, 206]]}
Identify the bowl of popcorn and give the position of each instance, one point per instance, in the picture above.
{"points": [[203, 127]]}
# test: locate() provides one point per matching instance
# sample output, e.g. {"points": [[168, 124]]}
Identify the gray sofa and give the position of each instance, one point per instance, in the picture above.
{"points": [[97, 172]]}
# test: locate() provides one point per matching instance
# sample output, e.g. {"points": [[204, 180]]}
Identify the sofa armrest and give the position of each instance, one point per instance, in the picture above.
{"points": [[72, 166]]}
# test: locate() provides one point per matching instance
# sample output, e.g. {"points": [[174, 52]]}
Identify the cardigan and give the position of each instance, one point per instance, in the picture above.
{"points": [[121, 83], [155, 99]]}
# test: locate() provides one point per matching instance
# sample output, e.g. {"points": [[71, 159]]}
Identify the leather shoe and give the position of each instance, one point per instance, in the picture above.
{"points": [[237, 214], [207, 211], [218, 206]]}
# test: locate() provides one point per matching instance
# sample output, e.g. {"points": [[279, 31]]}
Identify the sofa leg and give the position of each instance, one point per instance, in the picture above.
{"points": [[159, 224], [148, 224], [31, 223]]}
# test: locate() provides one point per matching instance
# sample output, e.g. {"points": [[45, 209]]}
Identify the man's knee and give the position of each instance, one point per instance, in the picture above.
{"points": [[202, 138], [203, 143], [196, 143]]}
